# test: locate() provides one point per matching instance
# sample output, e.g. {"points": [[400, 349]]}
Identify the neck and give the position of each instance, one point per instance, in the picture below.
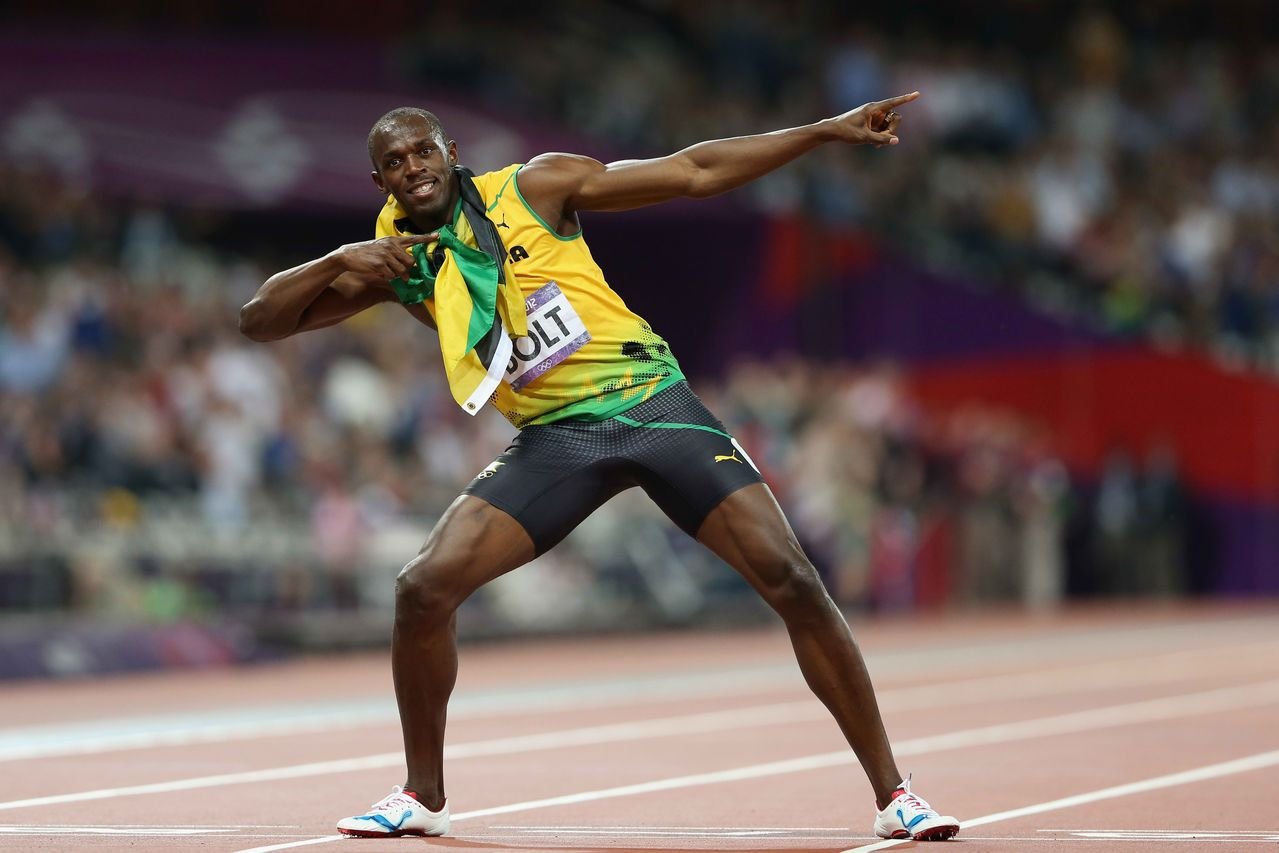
{"points": [[426, 225]]}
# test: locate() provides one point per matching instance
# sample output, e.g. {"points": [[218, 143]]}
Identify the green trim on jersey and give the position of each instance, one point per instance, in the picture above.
{"points": [[557, 235], [664, 425], [498, 198]]}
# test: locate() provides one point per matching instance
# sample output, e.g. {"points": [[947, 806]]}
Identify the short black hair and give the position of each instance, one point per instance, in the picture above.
{"points": [[397, 115]]}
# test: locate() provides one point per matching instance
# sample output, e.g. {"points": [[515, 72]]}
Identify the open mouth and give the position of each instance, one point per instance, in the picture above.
{"points": [[423, 190]]}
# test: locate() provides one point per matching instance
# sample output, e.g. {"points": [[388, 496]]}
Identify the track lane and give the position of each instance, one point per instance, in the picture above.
{"points": [[1063, 670]]}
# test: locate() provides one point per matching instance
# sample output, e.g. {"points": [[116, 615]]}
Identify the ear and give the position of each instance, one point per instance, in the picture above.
{"points": [[377, 180], [452, 149]]}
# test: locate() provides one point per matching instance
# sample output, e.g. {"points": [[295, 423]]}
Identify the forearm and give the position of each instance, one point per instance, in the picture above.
{"points": [[560, 184], [277, 308], [720, 165]]}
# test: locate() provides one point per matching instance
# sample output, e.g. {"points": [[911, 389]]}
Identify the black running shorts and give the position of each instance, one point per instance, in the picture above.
{"points": [[553, 476]]}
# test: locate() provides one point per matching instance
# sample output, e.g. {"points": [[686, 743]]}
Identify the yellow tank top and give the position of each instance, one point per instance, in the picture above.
{"points": [[587, 356]]}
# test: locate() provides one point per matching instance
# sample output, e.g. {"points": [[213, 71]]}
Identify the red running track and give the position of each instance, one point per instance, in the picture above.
{"points": [[1102, 730]]}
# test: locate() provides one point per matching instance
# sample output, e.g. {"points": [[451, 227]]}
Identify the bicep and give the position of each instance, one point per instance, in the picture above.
{"points": [[572, 182]]}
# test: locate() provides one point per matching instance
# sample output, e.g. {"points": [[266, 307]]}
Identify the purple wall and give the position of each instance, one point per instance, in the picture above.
{"points": [[70, 650], [226, 124]]}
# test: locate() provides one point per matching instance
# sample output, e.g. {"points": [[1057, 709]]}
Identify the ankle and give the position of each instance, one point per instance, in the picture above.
{"points": [[428, 796], [882, 799]]}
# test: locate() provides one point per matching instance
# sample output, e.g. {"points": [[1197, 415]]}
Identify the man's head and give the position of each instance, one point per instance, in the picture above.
{"points": [[413, 160]]}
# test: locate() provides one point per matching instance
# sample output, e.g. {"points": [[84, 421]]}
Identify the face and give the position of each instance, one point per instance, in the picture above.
{"points": [[414, 165]]}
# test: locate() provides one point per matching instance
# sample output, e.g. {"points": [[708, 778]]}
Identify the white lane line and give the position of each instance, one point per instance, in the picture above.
{"points": [[694, 832], [323, 839], [74, 832], [652, 827], [92, 737], [1158, 669], [772, 768], [170, 825], [818, 761], [715, 777], [670, 832], [685, 832], [82, 738], [153, 732], [712, 721], [1168, 708], [1235, 838], [1164, 837], [1189, 704], [1003, 840], [1268, 834], [1258, 761]]}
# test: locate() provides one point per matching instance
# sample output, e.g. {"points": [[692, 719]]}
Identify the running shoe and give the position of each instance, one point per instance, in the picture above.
{"points": [[907, 816], [398, 813]]}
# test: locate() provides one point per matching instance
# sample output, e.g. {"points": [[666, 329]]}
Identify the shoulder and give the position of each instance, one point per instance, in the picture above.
{"points": [[493, 181], [555, 168], [492, 186], [549, 182]]}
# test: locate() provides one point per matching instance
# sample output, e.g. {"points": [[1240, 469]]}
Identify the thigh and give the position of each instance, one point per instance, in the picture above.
{"points": [[473, 543], [749, 532]]}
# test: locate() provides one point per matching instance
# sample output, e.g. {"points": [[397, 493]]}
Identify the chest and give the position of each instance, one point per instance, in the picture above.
{"points": [[536, 254]]}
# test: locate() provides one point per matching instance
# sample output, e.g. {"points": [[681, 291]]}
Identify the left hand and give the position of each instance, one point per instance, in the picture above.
{"points": [[871, 124]]}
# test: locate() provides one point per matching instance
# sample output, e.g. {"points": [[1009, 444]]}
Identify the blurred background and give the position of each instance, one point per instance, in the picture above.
{"points": [[1028, 357]]}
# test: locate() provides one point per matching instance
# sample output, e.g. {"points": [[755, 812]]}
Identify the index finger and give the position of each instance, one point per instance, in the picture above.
{"points": [[897, 101], [414, 239]]}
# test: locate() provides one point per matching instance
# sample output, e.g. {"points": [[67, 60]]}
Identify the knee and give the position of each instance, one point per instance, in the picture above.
{"points": [[795, 590], [425, 591]]}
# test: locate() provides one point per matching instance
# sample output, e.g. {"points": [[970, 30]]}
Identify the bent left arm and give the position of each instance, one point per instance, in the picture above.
{"points": [[561, 184]]}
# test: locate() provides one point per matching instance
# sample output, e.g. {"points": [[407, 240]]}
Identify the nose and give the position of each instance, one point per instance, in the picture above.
{"points": [[415, 163]]}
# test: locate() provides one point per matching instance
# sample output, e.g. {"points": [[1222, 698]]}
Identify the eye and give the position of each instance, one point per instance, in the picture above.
{"points": [[427, 150]]}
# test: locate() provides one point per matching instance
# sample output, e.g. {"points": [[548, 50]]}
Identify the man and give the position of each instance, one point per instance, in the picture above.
{"points": [[498, 265]]}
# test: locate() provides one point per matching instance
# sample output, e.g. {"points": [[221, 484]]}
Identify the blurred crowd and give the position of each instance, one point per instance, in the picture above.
{"points": [[153, 461], [902, 508], [129, 403], [1117, 163]]}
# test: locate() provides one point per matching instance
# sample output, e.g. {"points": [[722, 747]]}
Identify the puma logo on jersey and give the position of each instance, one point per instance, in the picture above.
{"points": [[503, 224], [490, 470], [732, 457]]}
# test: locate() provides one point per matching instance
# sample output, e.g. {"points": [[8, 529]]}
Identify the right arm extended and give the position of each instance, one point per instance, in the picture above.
{"points": [[327, 290]]}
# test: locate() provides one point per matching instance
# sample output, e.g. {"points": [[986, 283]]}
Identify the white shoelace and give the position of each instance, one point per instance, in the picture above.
{"points": [[918, 803], [396, 799], [912, 799]]}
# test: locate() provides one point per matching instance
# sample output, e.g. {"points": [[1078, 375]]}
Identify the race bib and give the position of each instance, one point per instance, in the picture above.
{"points": [[554, 333]]}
